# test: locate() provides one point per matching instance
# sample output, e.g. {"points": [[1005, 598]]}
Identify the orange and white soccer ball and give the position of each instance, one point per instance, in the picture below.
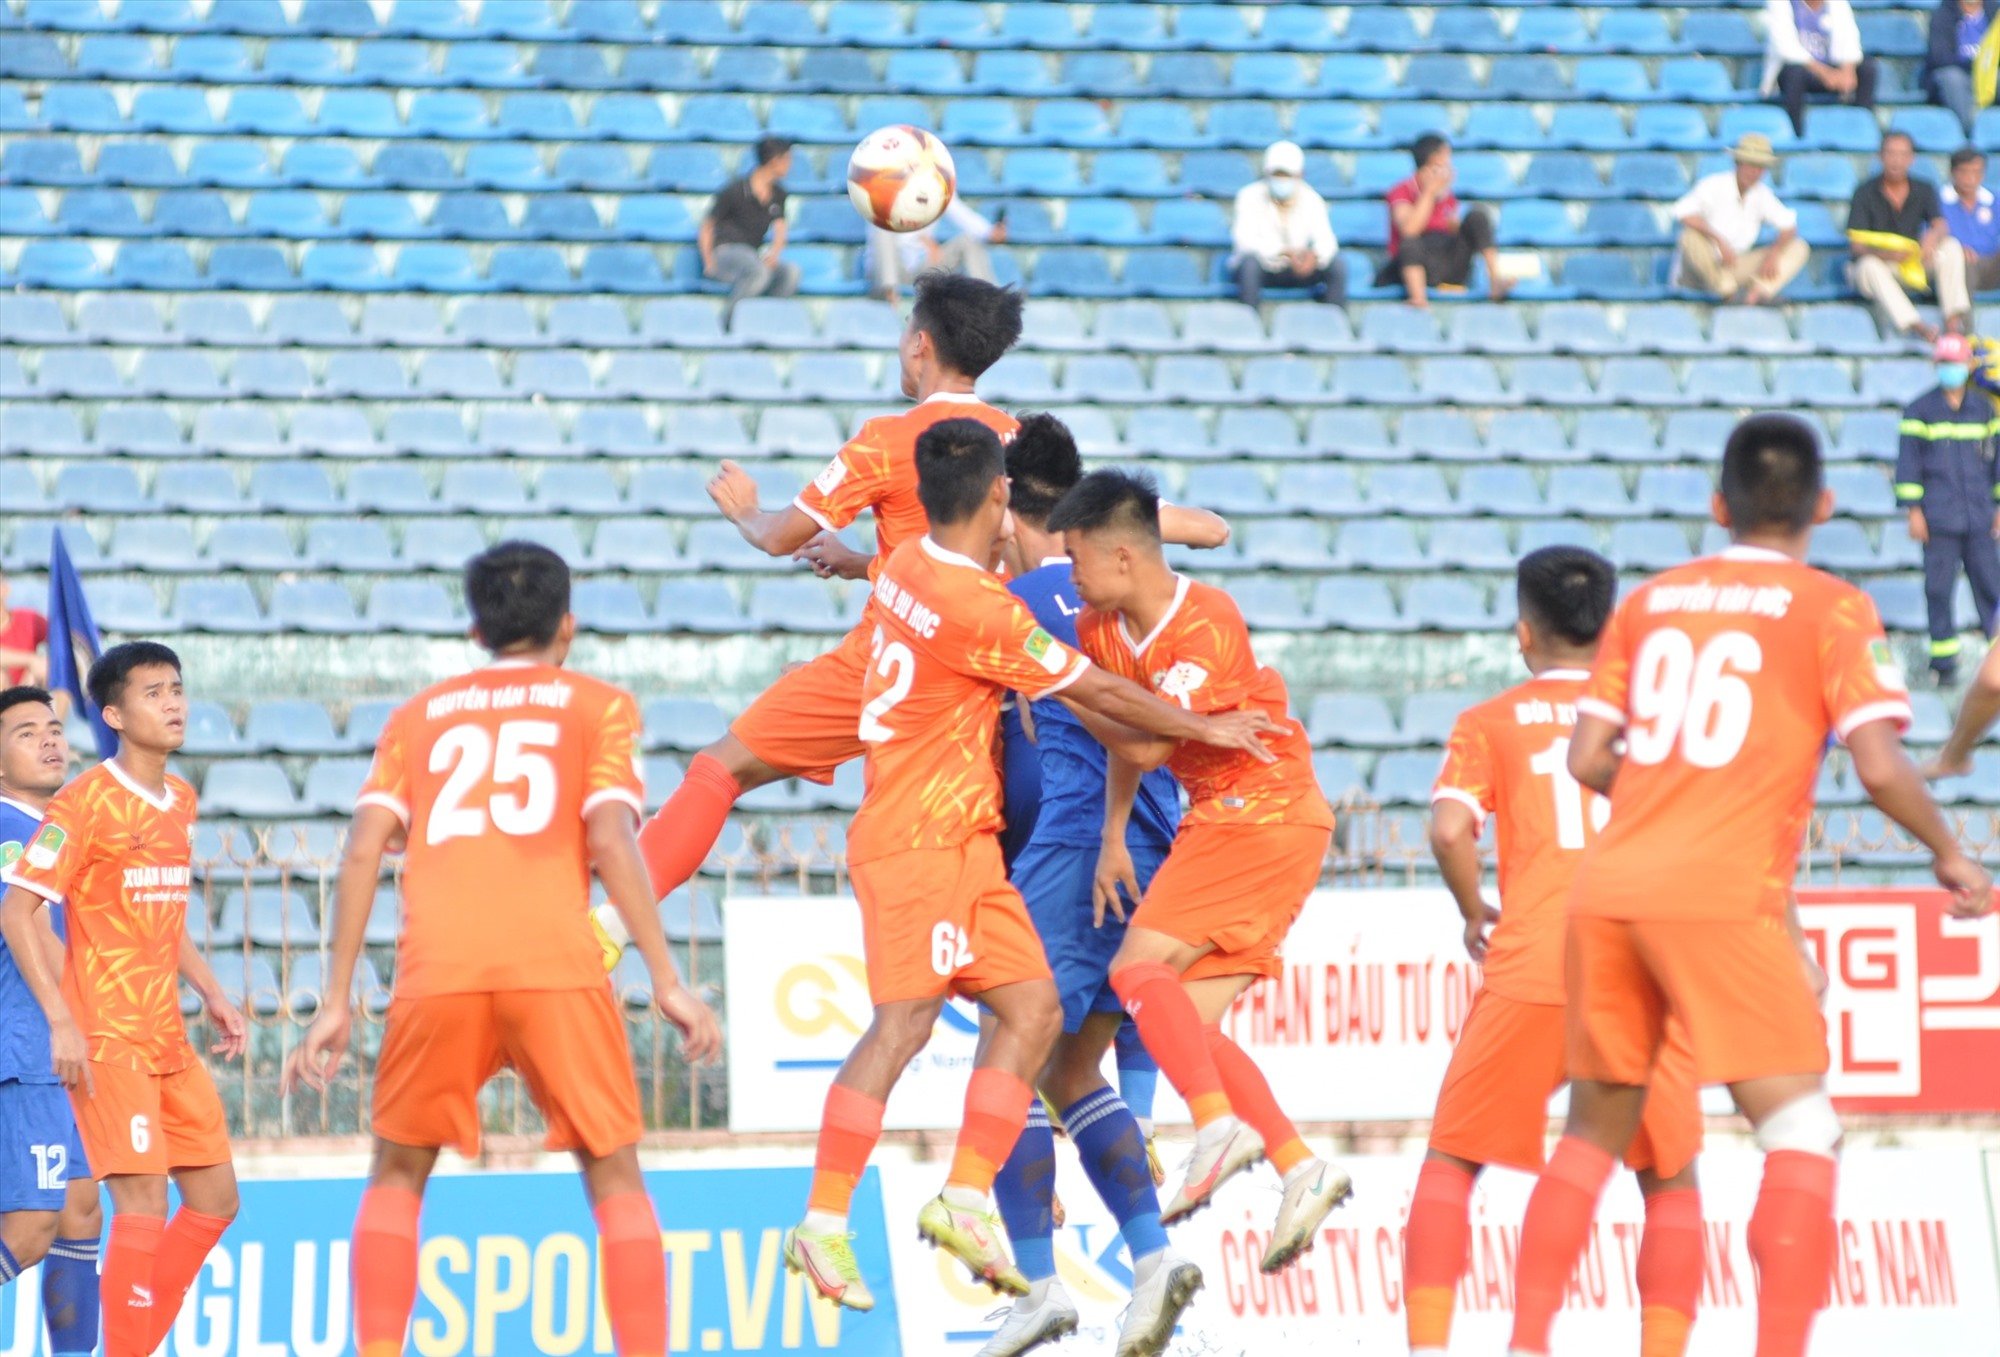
{"points": [[901, 178]]}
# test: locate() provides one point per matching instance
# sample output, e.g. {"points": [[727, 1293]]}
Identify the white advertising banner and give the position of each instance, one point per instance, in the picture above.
{"points": [[1915, 1273]]}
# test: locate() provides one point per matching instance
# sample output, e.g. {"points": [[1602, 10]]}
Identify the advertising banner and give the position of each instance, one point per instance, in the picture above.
{"points": [[509, 1267], [1915, 1271], [1912, 1000]]}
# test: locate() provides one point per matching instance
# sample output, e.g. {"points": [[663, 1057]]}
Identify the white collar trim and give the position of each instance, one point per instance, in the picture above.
{"points": [[23, 807], [946, 554], [1053, 560], [1564, 674], [1125, 627], [1744, 553], [125, 780], [514, 664], [953, 397]]}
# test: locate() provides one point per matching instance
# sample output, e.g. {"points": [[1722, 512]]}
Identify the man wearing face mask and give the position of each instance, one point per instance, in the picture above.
{"points": [[1282, 235], [1946, 479]]}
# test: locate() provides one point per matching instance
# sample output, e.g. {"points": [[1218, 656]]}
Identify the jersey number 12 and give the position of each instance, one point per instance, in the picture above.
{"points": [[897, 663], [1553, 763]]}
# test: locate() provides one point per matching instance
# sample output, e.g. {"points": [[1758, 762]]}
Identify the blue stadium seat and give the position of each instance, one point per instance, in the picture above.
{"points": [[1476, 544], [1673, 127], [1439, 603], [314, 606], [1648, 545], [1358, 604], [1463, 381], [254, 789]]}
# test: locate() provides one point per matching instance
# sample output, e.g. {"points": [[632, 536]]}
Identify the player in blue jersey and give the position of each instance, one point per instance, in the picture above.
{"points": [[1055, 777], [48, 1204]]}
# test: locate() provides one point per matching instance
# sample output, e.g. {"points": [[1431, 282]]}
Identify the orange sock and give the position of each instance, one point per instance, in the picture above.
{"points": [[1171, 1030], [848, 1130], [126, 1285], [184, 1247], [1250, 1097], [996, 1108], [1553, 1233], [1669, 1272], [384, 1269], [677, 840], [1792, 1242], [635, 1274], [1434, 1245]]}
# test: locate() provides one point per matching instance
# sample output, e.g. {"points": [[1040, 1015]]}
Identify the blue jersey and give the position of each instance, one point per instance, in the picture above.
{"points": [[24, 1032], [1055, 784]]}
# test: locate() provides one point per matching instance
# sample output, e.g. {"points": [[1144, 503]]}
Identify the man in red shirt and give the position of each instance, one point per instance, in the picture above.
{"points": [[24, 637], [1430, 244]]}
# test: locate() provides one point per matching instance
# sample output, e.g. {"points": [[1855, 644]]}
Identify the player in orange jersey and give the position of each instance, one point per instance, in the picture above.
{"points": [[1705, 720], [1248, 853], [115, 849], [504, 788], [1508, 758], [939, 916]]}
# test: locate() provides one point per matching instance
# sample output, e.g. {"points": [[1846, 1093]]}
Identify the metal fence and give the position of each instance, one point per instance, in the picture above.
{"points": [[263, 894]]}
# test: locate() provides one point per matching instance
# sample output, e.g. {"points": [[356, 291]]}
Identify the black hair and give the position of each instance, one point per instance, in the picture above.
{"points": [[770, 148], [1426, 147], [1042, 463], [518, 594], [1967, 155], [1566, 591], [108, 675], [972, 323], [1898, 134], [957, 463], [1772, 474], [1110, 498], [22, 695]]}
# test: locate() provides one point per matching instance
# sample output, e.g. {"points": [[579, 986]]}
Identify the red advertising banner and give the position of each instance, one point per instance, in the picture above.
{"points": [[1912, 1000]]}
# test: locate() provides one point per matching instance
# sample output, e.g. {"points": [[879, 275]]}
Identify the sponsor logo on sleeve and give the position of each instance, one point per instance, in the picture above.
{"points": [[1046, 651], [44, 847], [829, 480], [1181, 682], [1888, 669]]}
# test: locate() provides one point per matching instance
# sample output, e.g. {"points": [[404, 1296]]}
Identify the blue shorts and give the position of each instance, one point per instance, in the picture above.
{"points": [[39, 1148], [1055, 881]]}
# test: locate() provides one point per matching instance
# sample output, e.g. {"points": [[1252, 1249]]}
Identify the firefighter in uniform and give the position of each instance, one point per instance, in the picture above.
{"points": [[1946, 479]]}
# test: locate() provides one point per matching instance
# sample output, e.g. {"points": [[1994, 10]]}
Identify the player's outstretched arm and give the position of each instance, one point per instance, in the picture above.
{"points": [[317, 1057], [775, 532], [1455, 845], [1593, 753], [1975, 718], [1894, 784], [1131, 706], [232, 1032], [1187, 527], [832, 559], [70, 1052], [614, 852]]}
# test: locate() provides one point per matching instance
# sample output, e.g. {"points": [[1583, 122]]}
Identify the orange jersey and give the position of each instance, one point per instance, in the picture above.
{"points": [[1727, 675], [492, 775], [877, 469], [119, 860], [948, 640], [1510, 758], [1199, 656]]}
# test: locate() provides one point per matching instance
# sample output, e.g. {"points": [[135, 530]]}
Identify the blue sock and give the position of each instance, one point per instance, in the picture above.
{"points": [[1107, 1141], [69, 1297], [10, 1267], [1138, 1072], [1025, 1191]]}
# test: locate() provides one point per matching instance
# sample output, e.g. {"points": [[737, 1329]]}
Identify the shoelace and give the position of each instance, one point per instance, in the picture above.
{"points": [[839, 1250]]}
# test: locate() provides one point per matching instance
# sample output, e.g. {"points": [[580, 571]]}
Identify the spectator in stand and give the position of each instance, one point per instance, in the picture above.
{"points": [[731, 239], [1946, 479], [1969, 216], [1957, 28], [1897, 231], [1720, 219], [1814, 47], [1429, 244], [24, 644], [1281, 234], [895, 258]]}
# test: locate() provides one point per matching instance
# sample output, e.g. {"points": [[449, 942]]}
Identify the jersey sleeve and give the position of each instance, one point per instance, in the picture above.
{"points": [[1467, 774], [1604, 697], [611, 770], [57, 850], [856, 479], [1861, 679], [388, 783], [1004, 645]]}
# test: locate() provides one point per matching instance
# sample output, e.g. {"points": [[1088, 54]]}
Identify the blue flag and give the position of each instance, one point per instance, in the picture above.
{"points": [[74, 643]]}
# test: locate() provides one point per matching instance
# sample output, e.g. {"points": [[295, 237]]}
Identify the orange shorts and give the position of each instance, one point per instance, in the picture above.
{"points": [[944, 921], [1236, 889], [808, 723], [135, 1121], [568, 1046], [1494, 1106], [1739, 987]]}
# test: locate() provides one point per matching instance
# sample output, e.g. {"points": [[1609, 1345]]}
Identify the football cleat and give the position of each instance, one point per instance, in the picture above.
{"points": [[1209, 1168], [975, 1239], [827, 1261], [1025, 1326], [1309, 1199], [1157, 1305]]}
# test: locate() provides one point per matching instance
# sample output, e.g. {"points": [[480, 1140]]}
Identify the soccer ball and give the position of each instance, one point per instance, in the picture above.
{"points": [[901, 178]]}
